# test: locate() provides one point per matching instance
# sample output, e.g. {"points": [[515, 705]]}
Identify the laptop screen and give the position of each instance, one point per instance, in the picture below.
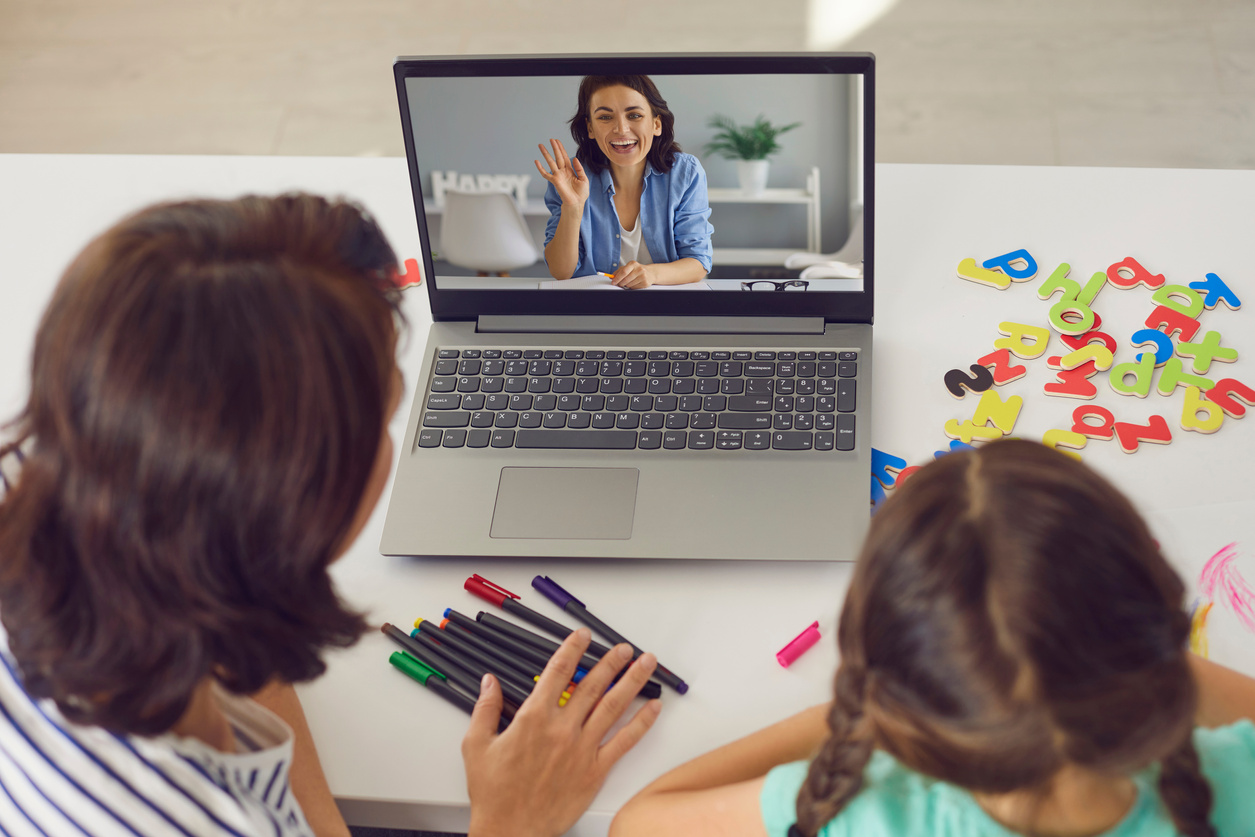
{"points": [[643, 184]]}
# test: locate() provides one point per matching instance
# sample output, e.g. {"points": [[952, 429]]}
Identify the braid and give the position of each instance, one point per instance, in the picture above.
{"points": [[836, 773], [1185, 791]]}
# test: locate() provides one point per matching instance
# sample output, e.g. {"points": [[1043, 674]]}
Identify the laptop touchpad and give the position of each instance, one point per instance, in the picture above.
{"points": [[593, 503]]}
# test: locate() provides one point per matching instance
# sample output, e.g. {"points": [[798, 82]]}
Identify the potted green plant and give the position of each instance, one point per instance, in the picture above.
{"points": [[749, 145]]}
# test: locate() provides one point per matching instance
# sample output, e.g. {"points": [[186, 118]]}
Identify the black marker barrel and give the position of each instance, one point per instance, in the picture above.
{"points": [[521, 650], [454, 673], [506, 674], [449, 655]]}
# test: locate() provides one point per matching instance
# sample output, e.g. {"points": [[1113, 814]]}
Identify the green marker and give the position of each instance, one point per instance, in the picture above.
{"points": [[432, 679]]}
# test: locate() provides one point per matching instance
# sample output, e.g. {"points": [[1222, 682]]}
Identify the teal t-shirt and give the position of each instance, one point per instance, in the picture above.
{"points": [[896, 800]]}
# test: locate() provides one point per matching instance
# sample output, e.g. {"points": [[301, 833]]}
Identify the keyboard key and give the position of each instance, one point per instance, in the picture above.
{"points": [[825, 421], [804, 403], [450, 401], [585, 368], [538, 384], [806, 355], [827, 355], [847, 356], [784, 386], [507, 419], [545, 403], [782, 421], [593, 403], [678, 355], [759, 386], [715, 403], [642, 403], [454, 438], [826, 403], [521, 402], [611, 385], [595, 354], [533, 354], [515, 384], [470, 367], [682, 368], [531, 419], [677, 421], [847, 370], [783, 404], [666, 403], [691, 403], [446, 367], [478, 438], [706, 369], [701, 440], [823, 441], [702, 421], [618, 355], [803, 421], [760, 369], [444, 384], [493, 353], [657, 355], [470, 353], [742, 355], [826, 369], [430, 438], [733, 386], [579, 420], [660, 386], [699, 355], [603, 421], [806, 386], [628, 421], [728, 440], [674, 440], [658, 368], [635, 386], [512, 354], [443, 419], [568, 402], [764, 355], [707, 386], [650, 440], [448, 353], [483, 418], [563, 368], [720, 355], [494, 367], [786, 370], [577, 439], [806, 369], [845, 432], [573, 354], [553, 354], [731, 369], [757, 440], [745, 421], [618, 403], [637, 355], [683, 386], [846, 396], [792, 440], [585, 385], [502, 438], [653, 421], [788, 356], [750, 403], [497, 402], [472, 402], [634, 369], [491, 384], [563, 384]]}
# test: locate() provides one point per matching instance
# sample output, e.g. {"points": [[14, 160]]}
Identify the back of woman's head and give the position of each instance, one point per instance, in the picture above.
{"points": [[208, 394], [1011, 614]]}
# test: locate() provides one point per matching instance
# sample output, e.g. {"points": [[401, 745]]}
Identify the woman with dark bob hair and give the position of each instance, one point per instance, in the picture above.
{"points": [[206, 432], [631, 205], [1014, 660]]}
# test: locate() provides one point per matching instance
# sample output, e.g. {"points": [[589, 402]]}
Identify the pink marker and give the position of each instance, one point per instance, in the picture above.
{"points": [[799, 645]]}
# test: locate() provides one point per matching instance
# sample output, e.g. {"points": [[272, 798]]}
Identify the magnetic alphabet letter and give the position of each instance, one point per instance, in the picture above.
{"points": [[1227, 393], [1009, 263], [1093, 431], [959, 383], [1155, 431], [1128, 274], [1215, 290], [1212, 416], [999, 362], [1016, 333]]}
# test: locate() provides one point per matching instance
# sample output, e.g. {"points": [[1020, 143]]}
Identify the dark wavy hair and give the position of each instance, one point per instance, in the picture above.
{"points": [[208, 394], [1010, 614], [664, 148]]}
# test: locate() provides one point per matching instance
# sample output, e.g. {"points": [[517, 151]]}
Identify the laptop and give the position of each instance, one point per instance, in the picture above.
{"points": [[720, 410]]}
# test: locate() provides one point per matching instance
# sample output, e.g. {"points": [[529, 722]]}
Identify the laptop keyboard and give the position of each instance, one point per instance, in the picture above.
{"points": [[654, 399]]}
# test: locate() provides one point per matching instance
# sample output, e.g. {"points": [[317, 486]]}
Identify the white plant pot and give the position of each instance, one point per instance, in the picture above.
{"points": [[752, 175]]}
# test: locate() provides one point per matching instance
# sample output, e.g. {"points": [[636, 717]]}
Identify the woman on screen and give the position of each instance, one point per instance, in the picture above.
{"points": [[631, 205]]}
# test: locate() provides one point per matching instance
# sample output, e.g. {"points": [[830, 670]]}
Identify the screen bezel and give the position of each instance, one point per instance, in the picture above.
{"points": [[833, 306]]}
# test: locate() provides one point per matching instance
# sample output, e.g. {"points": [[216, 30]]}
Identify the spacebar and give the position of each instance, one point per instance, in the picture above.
{"points": [[582, 439]]}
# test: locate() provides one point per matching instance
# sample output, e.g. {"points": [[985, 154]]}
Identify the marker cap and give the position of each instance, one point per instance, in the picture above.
{"points": [[799, 645], [414, 668], [485, 589], [553, 592]]}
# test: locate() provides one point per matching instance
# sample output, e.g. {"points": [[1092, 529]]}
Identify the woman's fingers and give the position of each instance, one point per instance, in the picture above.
{"points": [[593, 687], [578, 168], [616, 701], [627, 738], [484, 718], [560, 668]]}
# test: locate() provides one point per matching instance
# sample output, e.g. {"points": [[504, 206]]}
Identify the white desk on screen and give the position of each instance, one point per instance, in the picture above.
{"points": [[391, 752]]}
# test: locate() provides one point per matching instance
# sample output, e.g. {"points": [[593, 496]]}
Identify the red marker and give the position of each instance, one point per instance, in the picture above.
{"points": [[506, 600]]}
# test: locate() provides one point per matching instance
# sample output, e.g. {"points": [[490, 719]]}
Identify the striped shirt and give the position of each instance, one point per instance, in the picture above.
{"points": [[58, 777]]}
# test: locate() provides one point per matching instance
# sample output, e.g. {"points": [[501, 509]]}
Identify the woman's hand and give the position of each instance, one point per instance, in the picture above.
{"points": [[634, 276], [540, 775], [566, 175]]}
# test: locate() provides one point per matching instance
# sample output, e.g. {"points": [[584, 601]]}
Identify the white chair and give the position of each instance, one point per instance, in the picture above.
{"points": [[485, 232], [846, 263]]}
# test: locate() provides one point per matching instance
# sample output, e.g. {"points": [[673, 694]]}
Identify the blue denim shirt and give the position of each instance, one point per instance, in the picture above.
{"points": [[674, 211]]}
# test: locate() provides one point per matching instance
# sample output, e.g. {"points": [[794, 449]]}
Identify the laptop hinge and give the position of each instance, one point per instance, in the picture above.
{"points": [[559, 324]]}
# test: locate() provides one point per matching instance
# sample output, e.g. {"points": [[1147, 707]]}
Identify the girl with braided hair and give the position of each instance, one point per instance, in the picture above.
{"points": [[1013, 661]]}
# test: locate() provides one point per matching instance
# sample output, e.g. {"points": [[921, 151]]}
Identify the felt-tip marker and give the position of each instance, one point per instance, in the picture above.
{"points": [[521, 651], [474, 670], [513, 685], [551, 590], [455, 674], [432, 679]]}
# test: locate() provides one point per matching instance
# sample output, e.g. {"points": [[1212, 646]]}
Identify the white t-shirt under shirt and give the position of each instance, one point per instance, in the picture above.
{"points": [[631, 246], [57, 777]]}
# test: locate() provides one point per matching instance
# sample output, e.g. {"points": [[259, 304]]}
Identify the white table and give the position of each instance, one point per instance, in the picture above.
{"points": [[391, 752]]}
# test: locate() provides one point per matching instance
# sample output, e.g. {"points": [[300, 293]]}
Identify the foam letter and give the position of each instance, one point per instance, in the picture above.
{"points": [[1066, 438], [1001, 414], [1174, 375], [413, 275], [1101, 357], [1205, 352], [1161, 342], [1074, 300], [1180, 299], [1227, 392], [1101, 431], [1173, 322], [1007, 264], [1155, 431], [883, 463], [1074, 383], [1014, 340], [968, 270], [1196, 404], [1215, 290], [1128, 274], [999, 362], [1142, 370], [958, 382], [967, 431], [905, 475]]}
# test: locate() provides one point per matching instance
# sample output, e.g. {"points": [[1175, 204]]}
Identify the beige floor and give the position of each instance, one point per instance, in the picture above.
{"points": [[1071, 82]]}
